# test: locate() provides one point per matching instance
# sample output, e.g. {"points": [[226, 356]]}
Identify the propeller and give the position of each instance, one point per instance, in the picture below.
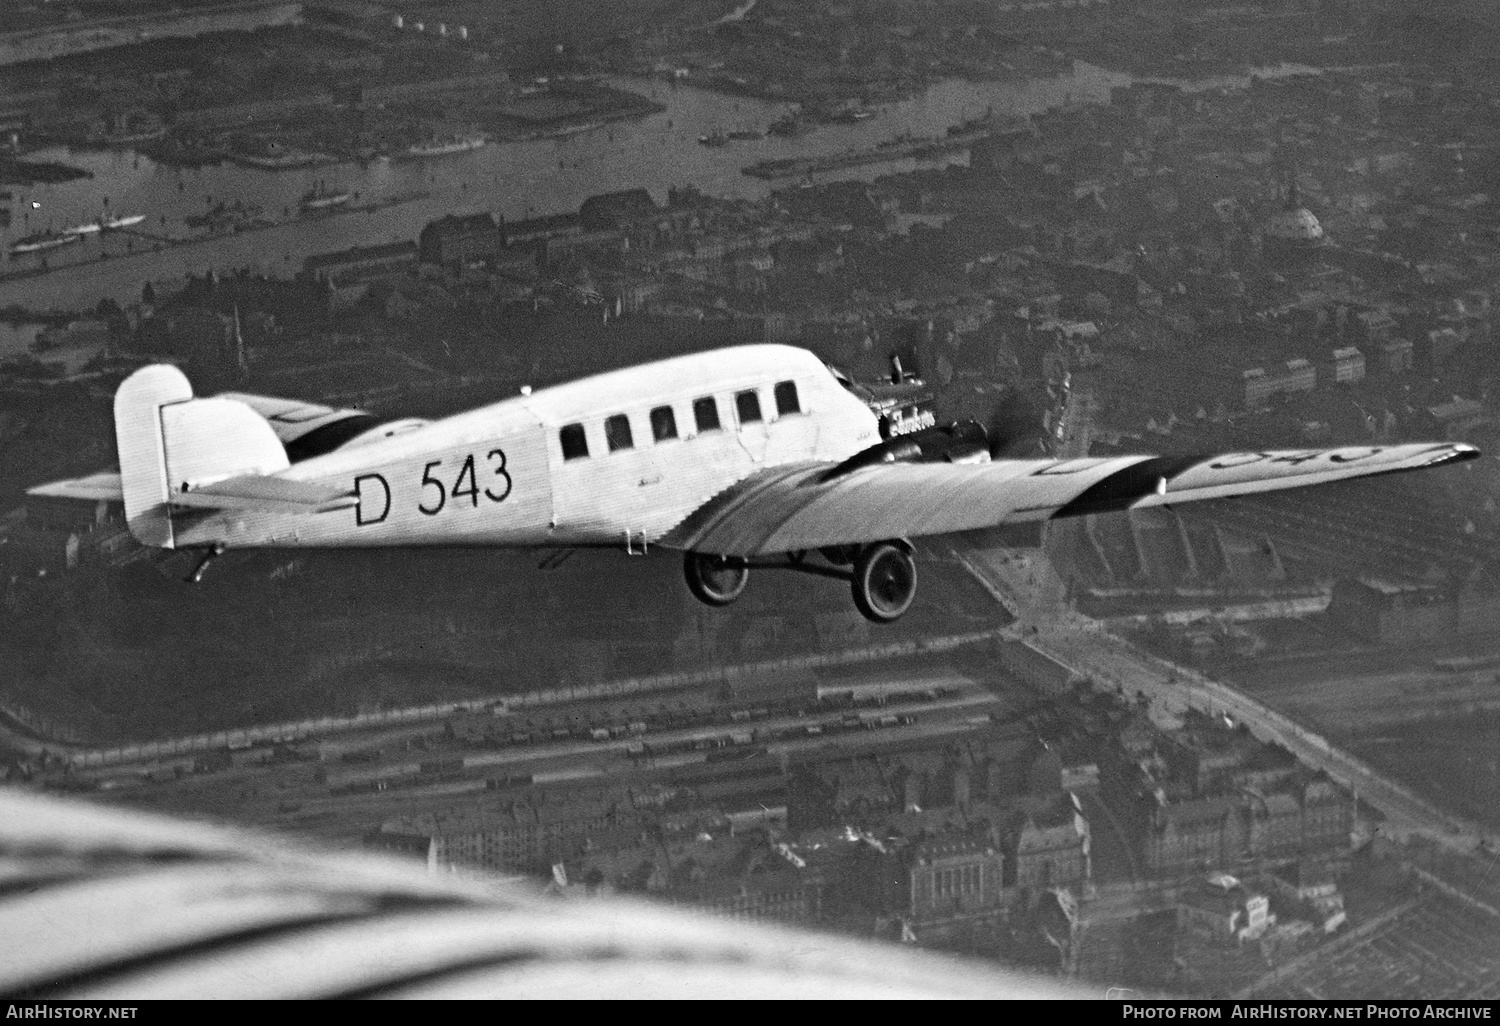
{"points": [[1014, 426]]}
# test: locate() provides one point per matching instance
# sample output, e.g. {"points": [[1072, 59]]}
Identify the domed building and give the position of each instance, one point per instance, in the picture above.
{"points": [[1296, 227], [1293, 232]]}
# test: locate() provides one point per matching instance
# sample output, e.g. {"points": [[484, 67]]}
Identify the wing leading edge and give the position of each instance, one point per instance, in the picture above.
{"points": [[789, 509]]}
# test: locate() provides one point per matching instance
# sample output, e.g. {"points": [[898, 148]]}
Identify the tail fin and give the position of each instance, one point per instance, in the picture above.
{"points": [[170, 442]]}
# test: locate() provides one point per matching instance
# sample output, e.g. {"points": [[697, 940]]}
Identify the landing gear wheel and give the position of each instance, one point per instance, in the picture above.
{"points": [[714, 580], [885, 581]]}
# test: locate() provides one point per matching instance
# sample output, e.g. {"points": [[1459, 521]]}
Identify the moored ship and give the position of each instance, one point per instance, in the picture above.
{"points": [[443, 147], [224, 215], [958, 137], [321, 197], [42, 240], [852, 115]]}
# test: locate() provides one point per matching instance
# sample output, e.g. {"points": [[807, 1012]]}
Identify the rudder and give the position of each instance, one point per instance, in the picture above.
{"points": [[168, 441], [142, 450]]}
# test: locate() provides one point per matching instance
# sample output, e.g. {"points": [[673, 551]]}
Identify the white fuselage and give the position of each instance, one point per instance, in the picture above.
{"points": [[516, 473]]}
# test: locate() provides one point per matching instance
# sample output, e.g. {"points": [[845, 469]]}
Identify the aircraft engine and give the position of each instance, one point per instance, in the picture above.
{"points": [[963, 441]]}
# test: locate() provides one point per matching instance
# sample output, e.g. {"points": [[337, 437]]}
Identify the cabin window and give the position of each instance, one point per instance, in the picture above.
{"points": [[617, 433], [663, 424], [786, 398], [706, 413], [747, 405], [575, 445]]}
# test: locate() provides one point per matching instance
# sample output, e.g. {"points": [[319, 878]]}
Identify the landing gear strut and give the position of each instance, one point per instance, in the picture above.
{"points": [[883, 578], [840, 555], [715, 580]]}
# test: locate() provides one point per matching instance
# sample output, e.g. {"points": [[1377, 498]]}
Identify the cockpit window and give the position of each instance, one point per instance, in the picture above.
{"points": [[575, 445], [617, 433], [786, 398]]}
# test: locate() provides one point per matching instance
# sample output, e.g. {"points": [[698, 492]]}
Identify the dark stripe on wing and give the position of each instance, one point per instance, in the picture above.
{"points": [[119, 970], [1128, 485], [499, 960]]}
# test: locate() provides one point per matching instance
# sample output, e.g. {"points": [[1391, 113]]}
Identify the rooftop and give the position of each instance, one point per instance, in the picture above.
{"points": [[1298, 225], [358, 254], [949, 847]]}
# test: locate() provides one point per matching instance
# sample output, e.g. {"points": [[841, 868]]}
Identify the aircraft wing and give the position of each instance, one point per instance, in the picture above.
{"points": [[811, 505], [109, 904], [104, 485]]}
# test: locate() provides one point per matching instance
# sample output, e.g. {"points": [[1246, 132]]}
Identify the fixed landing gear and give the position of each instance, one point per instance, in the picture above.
{"points": [[885, 581], [840, 555], [715, 580], [882, 576]]}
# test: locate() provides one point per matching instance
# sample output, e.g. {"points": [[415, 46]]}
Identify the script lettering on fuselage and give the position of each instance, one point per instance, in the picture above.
{"points": [[908, 420]]}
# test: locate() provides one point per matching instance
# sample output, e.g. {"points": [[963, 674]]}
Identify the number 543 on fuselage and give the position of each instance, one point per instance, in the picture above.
{"points": [[752, 456]]}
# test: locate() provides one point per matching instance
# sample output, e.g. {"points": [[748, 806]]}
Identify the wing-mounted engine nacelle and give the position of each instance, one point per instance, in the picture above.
{"points": [[963, 441]]}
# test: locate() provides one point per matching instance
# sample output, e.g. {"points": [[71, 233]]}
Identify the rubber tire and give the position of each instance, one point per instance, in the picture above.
{"points": [[714, 580], [885, 582]]}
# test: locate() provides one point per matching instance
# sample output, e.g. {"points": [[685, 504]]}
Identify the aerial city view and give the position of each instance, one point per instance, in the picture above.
{"points": [[404, 406]]}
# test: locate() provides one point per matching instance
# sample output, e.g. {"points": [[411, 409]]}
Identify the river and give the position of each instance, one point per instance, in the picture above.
{"points": [[513, 180]]}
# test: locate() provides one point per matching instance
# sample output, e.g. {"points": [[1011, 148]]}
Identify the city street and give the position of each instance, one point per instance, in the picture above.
{"points": [[1081, 645]]}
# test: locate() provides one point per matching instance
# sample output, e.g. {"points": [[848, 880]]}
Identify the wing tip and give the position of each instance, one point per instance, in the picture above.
{"points": [[1458, 452], [82, 489]]}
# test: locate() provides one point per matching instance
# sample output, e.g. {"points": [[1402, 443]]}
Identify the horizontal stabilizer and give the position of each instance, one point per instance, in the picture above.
{"points": [[103, 486], [269, 494]]}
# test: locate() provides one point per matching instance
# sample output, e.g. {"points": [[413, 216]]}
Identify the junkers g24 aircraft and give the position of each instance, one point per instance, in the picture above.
{"points": [[741, 458]]}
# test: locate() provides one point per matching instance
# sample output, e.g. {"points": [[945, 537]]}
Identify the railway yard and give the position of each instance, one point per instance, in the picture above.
{"points": [[339, 788]]}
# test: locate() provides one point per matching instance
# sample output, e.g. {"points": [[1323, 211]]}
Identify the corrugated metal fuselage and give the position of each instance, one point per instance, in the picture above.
{"points": [[498, 476]]}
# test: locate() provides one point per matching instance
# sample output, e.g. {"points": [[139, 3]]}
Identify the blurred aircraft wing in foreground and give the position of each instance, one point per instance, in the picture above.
{"points": [[106, 904]]}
